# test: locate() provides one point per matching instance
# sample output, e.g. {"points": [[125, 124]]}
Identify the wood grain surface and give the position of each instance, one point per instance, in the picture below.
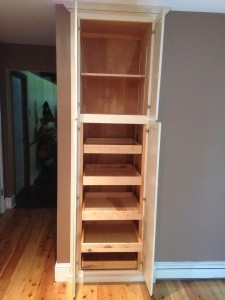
{"points": [[28, 256]]}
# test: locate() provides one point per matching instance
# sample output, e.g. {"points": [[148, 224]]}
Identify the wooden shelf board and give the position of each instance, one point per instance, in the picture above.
{"points": [[104, 261], [110, 237], [94, 35], [111, 206], [110, 174], [112, 145], [108, 75], [114, 119]]}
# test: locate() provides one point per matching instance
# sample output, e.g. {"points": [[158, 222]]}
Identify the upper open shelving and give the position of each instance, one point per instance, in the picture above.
{"points": [[115, 58]]}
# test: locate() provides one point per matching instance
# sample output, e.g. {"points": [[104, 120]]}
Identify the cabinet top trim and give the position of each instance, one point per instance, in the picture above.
{"points": [[112, 7]]}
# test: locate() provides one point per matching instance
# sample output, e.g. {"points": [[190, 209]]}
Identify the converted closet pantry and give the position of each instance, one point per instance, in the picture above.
{"points": [[117, 68]]}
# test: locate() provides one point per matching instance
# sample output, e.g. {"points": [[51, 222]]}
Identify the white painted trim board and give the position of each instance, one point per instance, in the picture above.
{"points": [[190, 270], [62, 272], [10, 202], [163, 271]]}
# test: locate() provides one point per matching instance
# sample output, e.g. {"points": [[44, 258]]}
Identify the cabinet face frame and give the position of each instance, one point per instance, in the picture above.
{"points": [[124, 15]]}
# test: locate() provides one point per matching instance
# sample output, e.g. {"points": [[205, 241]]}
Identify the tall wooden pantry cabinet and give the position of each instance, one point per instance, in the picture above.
{"points": [[116, 60]]}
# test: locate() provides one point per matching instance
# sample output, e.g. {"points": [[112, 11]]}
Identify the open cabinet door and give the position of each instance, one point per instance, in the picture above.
{"points": [[157, 48], [151, 187]]}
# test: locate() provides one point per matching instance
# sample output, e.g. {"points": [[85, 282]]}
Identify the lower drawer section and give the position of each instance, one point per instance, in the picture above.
{"points": [[109, 261]]}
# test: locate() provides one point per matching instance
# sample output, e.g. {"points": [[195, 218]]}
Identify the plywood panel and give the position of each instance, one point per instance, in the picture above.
{"points": [[109, 96], [145, 55], [113, 27], [157, 47], [102, 261], [93, 130], [108, 56]]}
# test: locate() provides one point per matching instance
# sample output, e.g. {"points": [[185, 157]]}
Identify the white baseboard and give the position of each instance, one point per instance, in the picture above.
{"points": [[163, 270], [190, 270], [62, 272], [2, 205], [109, 276], [10, 202]]}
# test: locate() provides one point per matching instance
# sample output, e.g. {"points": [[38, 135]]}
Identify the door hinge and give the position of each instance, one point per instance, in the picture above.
{"points": [[147, 130], [148, 106], [153, 31], [144, 199]]}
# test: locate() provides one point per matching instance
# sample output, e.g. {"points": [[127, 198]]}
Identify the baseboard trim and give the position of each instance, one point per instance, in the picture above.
{"points": [[190, 270], [163, 270], [2, 205], [109, 276], [10, 202], [62, 272]]}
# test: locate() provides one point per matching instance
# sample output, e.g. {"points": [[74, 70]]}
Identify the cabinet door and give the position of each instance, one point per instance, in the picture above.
{"points": [[157, 47], [151, 187]]}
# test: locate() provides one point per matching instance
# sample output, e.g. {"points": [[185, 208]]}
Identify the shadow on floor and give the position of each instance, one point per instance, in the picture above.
{"points": [[43, 194]]}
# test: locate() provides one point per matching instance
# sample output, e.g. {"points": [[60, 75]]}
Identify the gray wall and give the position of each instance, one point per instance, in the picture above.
{"points": [[191, 203]]}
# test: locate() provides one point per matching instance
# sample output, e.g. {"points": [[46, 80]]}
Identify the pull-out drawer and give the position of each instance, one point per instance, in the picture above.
{"points": [[118, 236]]}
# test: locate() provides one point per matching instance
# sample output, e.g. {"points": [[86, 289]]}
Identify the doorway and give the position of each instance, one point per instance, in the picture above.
{"points": [[20, 130], [34, 105]]}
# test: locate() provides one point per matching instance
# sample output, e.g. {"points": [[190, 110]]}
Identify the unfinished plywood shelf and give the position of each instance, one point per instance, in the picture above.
{"points": [[108, 237], [111, 206], [114, 36], [111, 174], [112, 145], [108, 75], [109, 261]]}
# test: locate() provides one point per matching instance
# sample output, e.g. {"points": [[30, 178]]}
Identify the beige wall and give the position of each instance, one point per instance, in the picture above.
{"points": [[64, 132], [191, 203], [18, 57]]}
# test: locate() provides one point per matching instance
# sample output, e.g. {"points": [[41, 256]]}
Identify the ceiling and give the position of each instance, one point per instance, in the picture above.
{"points": [[33, 21]]}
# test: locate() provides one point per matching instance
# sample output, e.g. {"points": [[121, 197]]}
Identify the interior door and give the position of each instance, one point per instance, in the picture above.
{"points": [[157, 48], [19, 130], [150, 208]]}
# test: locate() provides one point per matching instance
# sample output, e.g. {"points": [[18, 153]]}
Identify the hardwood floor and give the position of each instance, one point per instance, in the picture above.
{"points": [[28, 255]]}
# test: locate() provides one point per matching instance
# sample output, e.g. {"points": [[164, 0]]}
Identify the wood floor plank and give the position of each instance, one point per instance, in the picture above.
{"points": [[28, 249]]}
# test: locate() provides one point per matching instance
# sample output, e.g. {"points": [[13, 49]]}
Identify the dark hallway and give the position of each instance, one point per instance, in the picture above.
{"points": [[43, 193]]}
